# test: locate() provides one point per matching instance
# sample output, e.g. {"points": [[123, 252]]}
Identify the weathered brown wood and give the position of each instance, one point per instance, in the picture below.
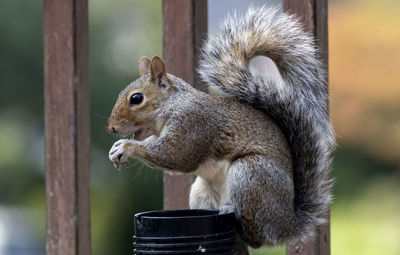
{"points": [[314, 15], [184, 27], [67, 127], [304, 10], [321, 30], [200, 35]]}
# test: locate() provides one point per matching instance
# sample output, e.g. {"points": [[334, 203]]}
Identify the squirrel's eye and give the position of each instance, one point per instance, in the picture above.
{"points": [[136, 99]]}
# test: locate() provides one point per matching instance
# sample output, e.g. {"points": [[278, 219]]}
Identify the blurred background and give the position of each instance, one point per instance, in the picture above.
{"points": [[364, 42]]}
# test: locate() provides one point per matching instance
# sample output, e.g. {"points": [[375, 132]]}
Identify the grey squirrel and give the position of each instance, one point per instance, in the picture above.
{"points": [[261, 148]]}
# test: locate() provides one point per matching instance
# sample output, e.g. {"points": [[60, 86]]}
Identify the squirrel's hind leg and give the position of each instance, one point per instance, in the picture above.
{"points": [[262, 194]]}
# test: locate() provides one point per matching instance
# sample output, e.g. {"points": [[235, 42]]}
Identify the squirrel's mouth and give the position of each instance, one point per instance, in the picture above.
{"points": [[137, 133], [141, 133]]}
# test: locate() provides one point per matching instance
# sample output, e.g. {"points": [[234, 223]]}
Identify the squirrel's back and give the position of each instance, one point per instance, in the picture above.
{"points": [[298, 103]]}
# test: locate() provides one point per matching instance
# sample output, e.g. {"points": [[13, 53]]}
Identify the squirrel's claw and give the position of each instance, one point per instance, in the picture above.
{"points": [[118, 167], [118, 155]]}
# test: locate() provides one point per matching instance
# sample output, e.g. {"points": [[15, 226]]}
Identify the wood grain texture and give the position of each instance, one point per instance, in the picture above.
{"points": [[314, 15], [184, 28], [67, 127], [304, 10]]}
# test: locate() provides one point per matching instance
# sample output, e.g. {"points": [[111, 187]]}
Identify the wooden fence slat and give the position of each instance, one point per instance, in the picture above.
{"points": [[67, 123], [184, 27], [314, 15]]}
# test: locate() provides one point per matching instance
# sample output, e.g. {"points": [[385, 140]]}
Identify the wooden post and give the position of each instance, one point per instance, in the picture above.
{"points": [[67, 127], [314, 15], [184, 28]]}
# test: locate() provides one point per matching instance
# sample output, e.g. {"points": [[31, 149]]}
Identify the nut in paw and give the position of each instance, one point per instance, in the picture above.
{"points": [[121, 152]]}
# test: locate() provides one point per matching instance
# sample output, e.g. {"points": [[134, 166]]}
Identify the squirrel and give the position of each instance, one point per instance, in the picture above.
{"points": [[260, 147]]}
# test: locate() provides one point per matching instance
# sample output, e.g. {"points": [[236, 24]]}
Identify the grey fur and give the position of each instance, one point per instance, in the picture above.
{"points": [[300, 108]]}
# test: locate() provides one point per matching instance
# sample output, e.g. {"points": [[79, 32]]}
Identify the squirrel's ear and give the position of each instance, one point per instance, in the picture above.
{"points": [[144, 65], [157, 68]]}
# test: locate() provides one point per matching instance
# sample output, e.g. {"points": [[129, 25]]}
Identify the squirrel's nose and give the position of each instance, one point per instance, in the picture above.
{"points": [[110, 129]]}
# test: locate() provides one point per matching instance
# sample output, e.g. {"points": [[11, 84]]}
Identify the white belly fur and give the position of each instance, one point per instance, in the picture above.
{"points": [[212, 182]]}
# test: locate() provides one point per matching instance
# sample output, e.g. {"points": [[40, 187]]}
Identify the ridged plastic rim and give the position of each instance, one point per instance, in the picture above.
{"points": [[147, 215], [200, 250], [184, 238], [223, 242]]}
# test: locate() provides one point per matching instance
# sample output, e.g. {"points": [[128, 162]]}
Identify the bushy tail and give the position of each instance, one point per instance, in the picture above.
{"points": [[298, 104]]}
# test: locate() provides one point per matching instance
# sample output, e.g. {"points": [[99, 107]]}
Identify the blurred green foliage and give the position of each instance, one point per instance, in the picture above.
{"points": [[21, 103], [365, 214]]}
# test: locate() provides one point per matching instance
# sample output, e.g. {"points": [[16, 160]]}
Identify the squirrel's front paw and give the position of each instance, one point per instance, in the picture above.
{"points": [[121, 152]]}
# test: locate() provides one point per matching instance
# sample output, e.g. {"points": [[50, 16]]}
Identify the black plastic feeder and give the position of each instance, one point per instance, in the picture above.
{"points": [[184, 232]]}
